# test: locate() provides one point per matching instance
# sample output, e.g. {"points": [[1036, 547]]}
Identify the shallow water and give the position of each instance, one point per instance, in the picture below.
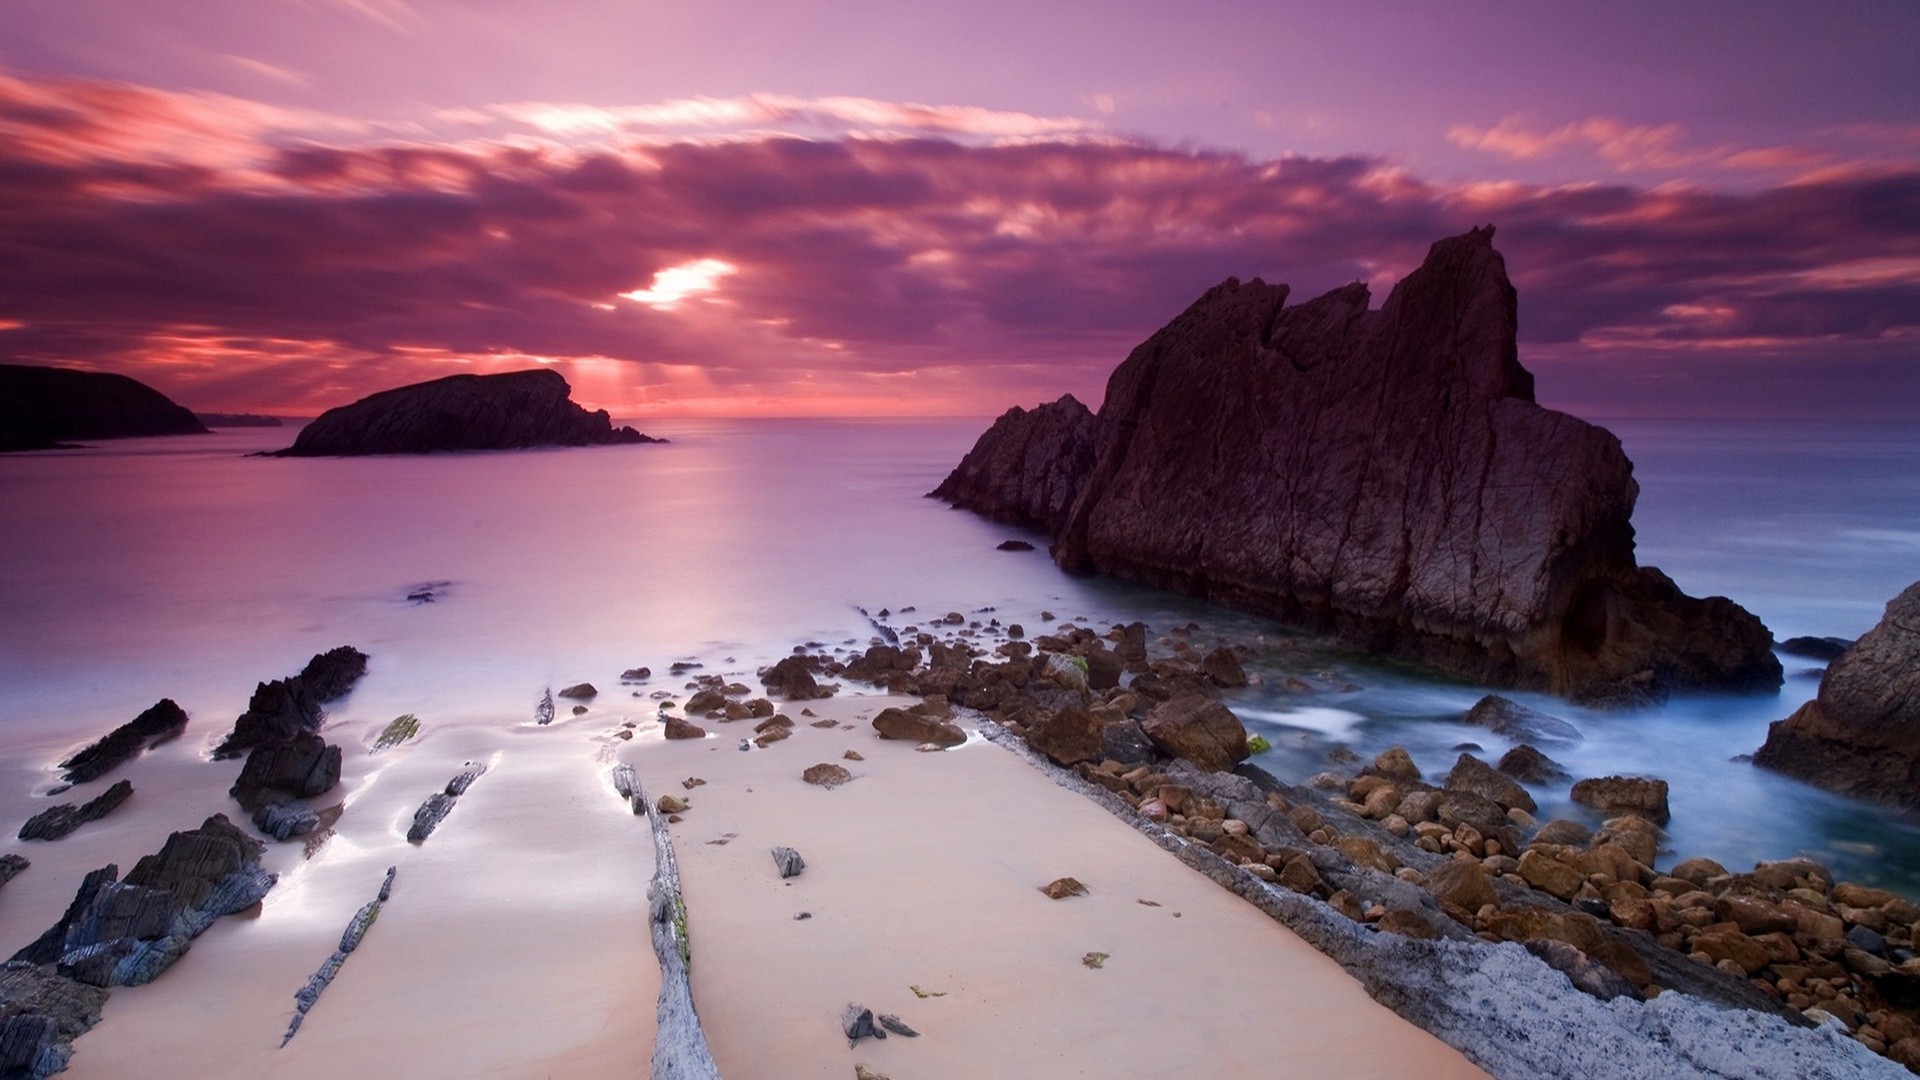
{"points": [[178, 567]]}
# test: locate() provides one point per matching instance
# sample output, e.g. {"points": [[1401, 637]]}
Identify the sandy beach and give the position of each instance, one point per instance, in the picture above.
{"points": [[925, 871]]}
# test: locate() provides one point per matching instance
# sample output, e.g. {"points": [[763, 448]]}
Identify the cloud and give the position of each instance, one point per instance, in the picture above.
{"points": [[776, 112], [1628, 147], [239, 268]]}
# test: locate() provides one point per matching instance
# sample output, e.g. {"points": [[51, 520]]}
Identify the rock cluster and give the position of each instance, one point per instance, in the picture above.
{"points": [[1861, 735], [285, 707], [513, 411], [287, 762], [1383, 475], [43, 407], [162, 721]]}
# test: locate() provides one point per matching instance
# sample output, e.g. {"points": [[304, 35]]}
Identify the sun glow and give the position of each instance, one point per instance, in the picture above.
{"points": [[676, 283]]}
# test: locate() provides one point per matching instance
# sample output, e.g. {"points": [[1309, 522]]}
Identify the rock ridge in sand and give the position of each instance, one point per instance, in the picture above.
{"points": [[1861, 735], [514, 411], [1383, 475]]}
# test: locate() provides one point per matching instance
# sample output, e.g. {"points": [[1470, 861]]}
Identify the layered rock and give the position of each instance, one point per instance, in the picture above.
{"points": [[514, 411], [42, 408], [1383, 475], [1861, 735], [164, 720], [57, 821], [283, 708]]}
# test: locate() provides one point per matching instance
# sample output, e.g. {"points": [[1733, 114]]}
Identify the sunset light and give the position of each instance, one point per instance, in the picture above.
{"points": [[676, 283]]}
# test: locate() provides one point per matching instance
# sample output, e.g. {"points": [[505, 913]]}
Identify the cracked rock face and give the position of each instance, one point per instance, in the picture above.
{"points": [[1861, 735], [1383, 475]]}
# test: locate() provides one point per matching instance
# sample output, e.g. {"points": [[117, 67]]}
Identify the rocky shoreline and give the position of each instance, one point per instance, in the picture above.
{"points": [[1458, 860]]}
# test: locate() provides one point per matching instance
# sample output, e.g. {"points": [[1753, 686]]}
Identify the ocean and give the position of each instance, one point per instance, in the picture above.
{"points": [[180, 567]]}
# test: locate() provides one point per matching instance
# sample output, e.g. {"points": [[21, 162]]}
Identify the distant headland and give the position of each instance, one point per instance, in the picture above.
{"points": [[47, 408]]}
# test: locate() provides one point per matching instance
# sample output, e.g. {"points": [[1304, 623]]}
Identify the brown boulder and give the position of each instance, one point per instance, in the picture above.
{"points": [[1471, 774], [684, 729], [1198, 729], [1550, 875], [792, 680], [1462, 884], [1223, 668], [1613, 795], [1530, 766], [894, 723], [1068, 737], [826, 775]]}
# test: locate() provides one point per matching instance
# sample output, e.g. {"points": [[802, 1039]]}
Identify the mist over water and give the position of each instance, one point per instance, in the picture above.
{"points": [[178, 567]]}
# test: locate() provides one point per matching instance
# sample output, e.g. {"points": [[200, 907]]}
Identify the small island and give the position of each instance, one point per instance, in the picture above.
{"points": [[518, 410], [47, 408]]}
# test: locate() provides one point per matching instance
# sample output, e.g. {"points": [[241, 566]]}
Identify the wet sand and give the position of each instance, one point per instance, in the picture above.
{"points": [[925, 870], [514, 945]]}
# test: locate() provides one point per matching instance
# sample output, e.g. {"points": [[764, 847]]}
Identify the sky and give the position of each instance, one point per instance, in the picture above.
{"points": [[1709, 209]]}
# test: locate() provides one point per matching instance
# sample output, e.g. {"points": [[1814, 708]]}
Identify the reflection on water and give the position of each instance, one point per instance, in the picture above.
{"points": [[179, 567]]}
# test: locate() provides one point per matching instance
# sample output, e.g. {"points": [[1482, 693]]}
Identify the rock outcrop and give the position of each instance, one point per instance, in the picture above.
{"points": [[57, 821], [126, 932], [43, 408], [1861, 735], [1027, 468], [283, 708], [1383, 475], [515, 411], [164, 720]]}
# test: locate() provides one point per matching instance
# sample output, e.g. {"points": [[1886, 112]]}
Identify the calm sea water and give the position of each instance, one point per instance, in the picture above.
{"points": [[178, 567]]}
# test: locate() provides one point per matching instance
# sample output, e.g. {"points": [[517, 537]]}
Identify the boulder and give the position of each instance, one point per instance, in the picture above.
{"points": [[1223, 668], [826, 775], [1513, 720], [162, 721], [511, 411], [283, 708], [585, 691], [678, 728], [1462, 884], [792, 679], [1471, 774], [1125, 742], [1069, 736], [894, 723], [1861, 735], [1381, 474], [1615, 795], [46, 407], [1530, 766], [1198, 729]]}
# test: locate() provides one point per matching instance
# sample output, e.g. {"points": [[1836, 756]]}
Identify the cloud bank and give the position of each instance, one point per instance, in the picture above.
{"points": [[683, 257]]}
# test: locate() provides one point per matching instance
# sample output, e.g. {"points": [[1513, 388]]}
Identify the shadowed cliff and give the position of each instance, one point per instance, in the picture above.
{"points": [[45, 407]]}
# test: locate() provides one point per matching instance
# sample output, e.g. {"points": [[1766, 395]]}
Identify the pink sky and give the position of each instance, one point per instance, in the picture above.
{"points": [[852, 209]]}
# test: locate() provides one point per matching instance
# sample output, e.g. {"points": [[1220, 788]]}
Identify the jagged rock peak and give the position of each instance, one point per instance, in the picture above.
{"points": [[513, 411], [1381, 474]]}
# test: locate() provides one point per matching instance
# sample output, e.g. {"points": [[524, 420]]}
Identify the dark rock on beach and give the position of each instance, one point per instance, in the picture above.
{"points": [[164, 720], [1861, 735], [1613, 795], [1013, 545], [279, 773], [126, 932], [44, 408], [57, 821], [12, 866], [283, 708], [514, 411], [1199, 729], [435, 809], [41, 1013], [1383, 475]]}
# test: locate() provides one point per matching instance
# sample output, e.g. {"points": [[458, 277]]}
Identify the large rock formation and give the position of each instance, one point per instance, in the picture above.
{"points": [[43, 407], [1384, 475], [514, 411], [1861, 735], [164, 720]]}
